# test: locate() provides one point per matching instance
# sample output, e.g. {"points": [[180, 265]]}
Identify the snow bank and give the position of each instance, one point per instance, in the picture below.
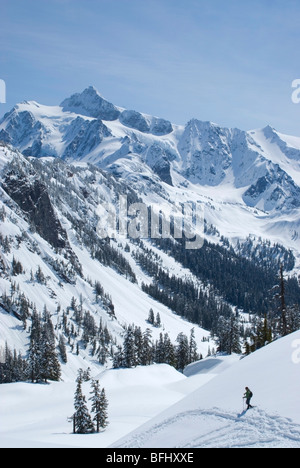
{"points": [[213, 416], [36, 415]]}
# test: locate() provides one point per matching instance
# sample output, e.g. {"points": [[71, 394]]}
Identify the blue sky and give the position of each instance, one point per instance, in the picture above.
{"points": [[231, 62]]}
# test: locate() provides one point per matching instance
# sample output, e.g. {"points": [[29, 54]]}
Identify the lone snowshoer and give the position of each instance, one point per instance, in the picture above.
{"points": [[248, 395]]}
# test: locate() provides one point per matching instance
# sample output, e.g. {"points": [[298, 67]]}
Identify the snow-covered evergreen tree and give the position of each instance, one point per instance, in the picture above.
{"points": [[103, 410], [160, 350], [151, 318], [99, 406], [129, 349], [83, 423], [62, 349], [50, 366], [193, 350], [147, 349], [35, 351], [157, 323], [228, 335], [182, 351]]}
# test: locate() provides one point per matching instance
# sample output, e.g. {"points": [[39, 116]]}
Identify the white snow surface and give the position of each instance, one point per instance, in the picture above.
{"points": [[157, 407], [36, 415], [208, 405], [214, 416]]}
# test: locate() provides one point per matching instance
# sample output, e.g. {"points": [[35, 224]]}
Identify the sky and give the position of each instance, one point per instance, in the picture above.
{"points": [[231, 62]]}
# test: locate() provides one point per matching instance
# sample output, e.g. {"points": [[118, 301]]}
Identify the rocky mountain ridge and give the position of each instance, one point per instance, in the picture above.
{"points": [[86, 127]]}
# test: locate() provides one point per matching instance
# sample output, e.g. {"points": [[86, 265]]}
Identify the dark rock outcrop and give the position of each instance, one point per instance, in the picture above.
{"points": [[33, 199]]}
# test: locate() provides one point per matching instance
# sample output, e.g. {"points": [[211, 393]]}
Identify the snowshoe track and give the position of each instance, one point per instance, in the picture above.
{"points": [[221, 429]]}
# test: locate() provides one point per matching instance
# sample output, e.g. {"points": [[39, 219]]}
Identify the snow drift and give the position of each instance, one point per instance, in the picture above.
{"points": [[213, 416]]}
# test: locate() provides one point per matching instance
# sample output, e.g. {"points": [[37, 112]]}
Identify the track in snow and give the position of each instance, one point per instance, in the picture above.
{"points": [[217, 428]]}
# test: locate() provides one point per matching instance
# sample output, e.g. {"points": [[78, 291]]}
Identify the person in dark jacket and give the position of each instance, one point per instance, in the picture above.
{"points": [[248, 395]]}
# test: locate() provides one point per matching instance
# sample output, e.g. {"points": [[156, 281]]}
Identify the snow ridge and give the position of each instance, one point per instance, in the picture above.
{"points": [[221, 429]]}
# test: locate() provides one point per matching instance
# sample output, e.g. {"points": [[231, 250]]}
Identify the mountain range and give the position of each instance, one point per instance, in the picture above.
{"points": [[263, 165], [60, 166]]}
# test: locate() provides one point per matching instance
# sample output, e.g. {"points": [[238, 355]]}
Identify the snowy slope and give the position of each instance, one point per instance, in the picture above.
{"points": [[63, 282], [213, 416], [36, 415], [248, 182], [165, 409]]}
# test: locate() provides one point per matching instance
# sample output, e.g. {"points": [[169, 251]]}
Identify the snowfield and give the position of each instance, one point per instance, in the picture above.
{"points": [[76, 159], [214, 417], [36, 415], [157, 407]]}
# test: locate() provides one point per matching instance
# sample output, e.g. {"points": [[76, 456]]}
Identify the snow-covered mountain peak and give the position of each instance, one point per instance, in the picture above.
{"points": [[69, 172], [90, 103], [269, 131], [288, 144], [261, 167]]}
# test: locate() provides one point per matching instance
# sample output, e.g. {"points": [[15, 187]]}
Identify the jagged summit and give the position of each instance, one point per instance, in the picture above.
{"points": [[261, 166], [91, 104]]}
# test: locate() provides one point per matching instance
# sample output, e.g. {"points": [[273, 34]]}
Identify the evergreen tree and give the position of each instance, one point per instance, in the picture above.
{"points": [[17, 268], [228, 335], [103, 410], [283, 321], [13, 368], [39, 276], [293, 318], [83, 423], [193, 350], [260, 336], [157, 323], [138, 343], [35, 351], [234, 336], [147, 349], [169, 351], [151, 317], [99, 406], [62, 349], [182, 352], [96, 404], [50, 367], [160, 350], [129, 349], [118, 358]]}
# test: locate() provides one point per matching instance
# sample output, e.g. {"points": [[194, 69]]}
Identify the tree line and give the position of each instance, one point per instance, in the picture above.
{"points": [[139, 349], [43, 361]]}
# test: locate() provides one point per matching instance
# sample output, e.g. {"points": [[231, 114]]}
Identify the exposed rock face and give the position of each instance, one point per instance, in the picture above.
{"points": [[83, 136], [161, 127], [135, 120], [261, 166], [34, 200], [138, 121], [91, 104], [158, 160]]}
